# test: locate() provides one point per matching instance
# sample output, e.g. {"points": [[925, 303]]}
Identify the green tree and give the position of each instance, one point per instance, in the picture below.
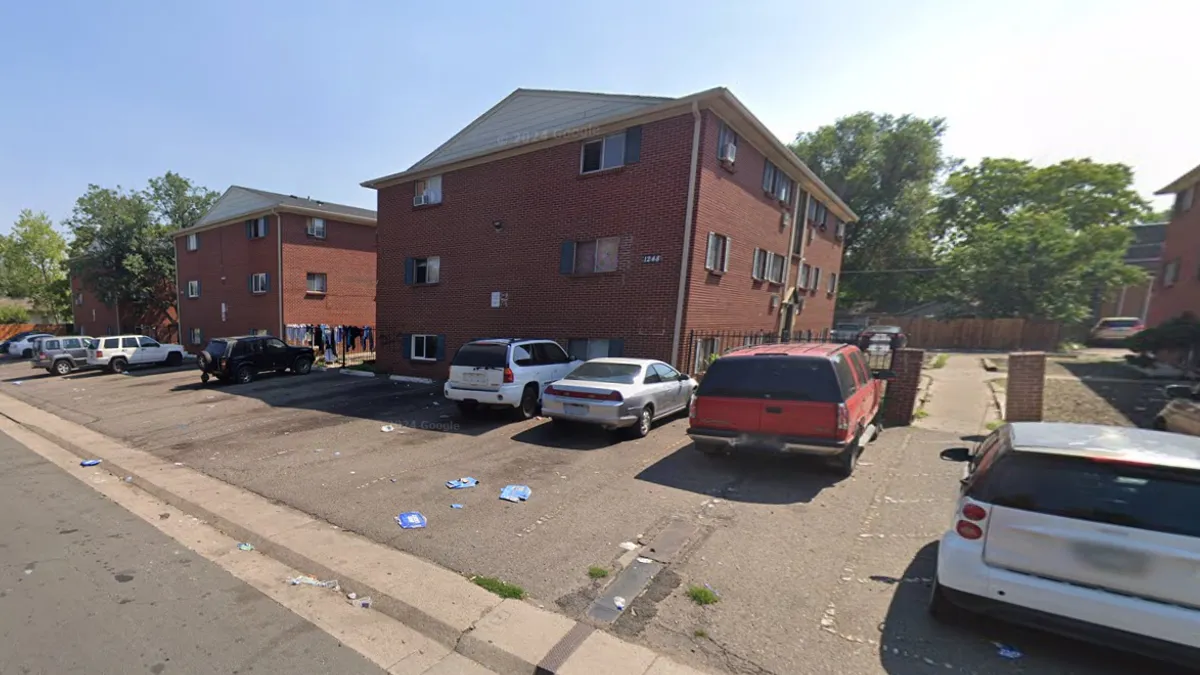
{"points": [[33, 255], [885, 167], [13, 314], [177, 202]]}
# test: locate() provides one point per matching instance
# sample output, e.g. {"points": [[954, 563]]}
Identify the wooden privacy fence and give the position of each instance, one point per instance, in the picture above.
{"points": [[8, 330], [989, 334]]}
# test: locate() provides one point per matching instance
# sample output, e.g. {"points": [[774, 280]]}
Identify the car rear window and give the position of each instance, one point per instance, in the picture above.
{"points": [[1145, 497], [1119, 323], [111, 343], [217, 347], [615, 373], [783, 378], [49, 344], [481, 355]]}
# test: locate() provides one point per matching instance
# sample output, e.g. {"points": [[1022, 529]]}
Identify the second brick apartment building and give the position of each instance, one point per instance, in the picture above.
{"points": [[1177, 285], [618, 225], [259, 262]]}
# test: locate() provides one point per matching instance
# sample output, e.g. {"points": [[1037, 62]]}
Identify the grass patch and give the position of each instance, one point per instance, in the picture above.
{"points": [[597, 572], [939, 361], [500, 588], [994, 425], [920, 414], [702, 595], [364, 367], [999, 385], [700, 633]]}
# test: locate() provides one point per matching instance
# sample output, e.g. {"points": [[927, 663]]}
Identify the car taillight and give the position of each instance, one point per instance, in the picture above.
{"points": [[972, 521], [968, 530], [614, 396], [508, 376], [553, 391], [99, 353], [974, 512], [843, 417]]}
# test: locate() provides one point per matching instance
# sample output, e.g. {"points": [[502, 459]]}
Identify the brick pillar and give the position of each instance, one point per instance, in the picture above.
{"points": [[1025, 388], [901, 399]]}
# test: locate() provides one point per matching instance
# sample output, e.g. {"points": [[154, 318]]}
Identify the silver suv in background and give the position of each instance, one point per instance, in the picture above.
{"points": [[63, 355]]}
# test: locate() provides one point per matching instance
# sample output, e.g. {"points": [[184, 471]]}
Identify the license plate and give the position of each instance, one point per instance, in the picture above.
{"points": [[575, 408], [1110, 559], [475, 378]]}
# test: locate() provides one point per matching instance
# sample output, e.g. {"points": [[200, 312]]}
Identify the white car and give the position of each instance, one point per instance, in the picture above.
{"points": [[26, 346], [117, 353], [506, 372], [618, 393], [1086, 530]]}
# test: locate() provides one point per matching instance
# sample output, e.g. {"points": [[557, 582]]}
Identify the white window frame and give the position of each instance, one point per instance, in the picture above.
{"points": [[192, 242], [424, 340], [317, 228], [431, 188], [705, 348], [726, 136], [841, 228], [79, 298], [832, 285], [193, 288], [711, 263], [259, 228], [607, 143], [322, 277], [258, 283], [816, 279], [805, 274], [758, 270], [1170, 273], [775, 265], [433, 269], [195, 336]]}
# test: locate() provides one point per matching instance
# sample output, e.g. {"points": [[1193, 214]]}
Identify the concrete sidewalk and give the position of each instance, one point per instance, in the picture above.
{"points": [[959, 400], [507, 636]]}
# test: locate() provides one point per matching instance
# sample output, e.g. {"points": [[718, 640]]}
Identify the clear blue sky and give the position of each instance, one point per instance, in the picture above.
{"points": [[312, 97]]}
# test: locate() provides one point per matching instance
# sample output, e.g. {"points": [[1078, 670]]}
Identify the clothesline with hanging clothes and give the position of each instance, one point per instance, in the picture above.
{"points": [[323, 336]]}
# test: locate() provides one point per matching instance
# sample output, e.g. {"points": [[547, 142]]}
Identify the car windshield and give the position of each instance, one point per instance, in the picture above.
{"points": [[615, 373], [886, 329], [481, 355], [785, 378], [847, 327], [217, 347], [1119, 323]]}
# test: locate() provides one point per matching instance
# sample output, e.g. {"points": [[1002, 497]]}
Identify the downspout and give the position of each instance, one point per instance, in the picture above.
{"points": [[685, 260], [178, 303], [279, 287], [791, 250]]}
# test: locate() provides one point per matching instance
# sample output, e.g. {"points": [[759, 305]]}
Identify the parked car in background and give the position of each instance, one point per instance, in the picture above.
{"points": [[24, 345], [1113, 331], [506, 372], [14, 338], [847, 332], [618, 393], [118, 353], [63, 355], [812, 399], [1086, 530], [882, 339], [242, 358]]}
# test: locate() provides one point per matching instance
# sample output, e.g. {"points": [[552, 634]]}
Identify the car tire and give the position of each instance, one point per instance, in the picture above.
{"points": [[244, 375], [62, 367], [1160, 423], [844, 463], [27, 354], [204, 378], [645, 421], [302, 366], [527, 409], [940, 607], [174, 359], [118, 365], [468, 408]]}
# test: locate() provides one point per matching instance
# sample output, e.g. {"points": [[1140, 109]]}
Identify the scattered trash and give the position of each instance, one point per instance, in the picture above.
{"points": [[306, 580], [351, 596], [456, 506], [128, 479], [18, 383], [178, 463], [337, 453], [89, 462], [393, 480], [163, 516], [245, 546], [460, 483], [387, 428], [1007, 652], [411, 520], [619, 602], [515, 493], [628, 545], [364, 603], [644, 560], [714, 591]]}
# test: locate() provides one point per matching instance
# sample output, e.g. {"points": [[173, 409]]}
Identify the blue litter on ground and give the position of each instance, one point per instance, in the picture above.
{"points": [[460, 483], [89, 462], [1007, 652], [411, 520], [456, 506], [515, 493]]}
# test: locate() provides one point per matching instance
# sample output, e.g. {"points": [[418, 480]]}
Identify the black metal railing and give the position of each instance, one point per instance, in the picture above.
{"points": [[703, 347]]}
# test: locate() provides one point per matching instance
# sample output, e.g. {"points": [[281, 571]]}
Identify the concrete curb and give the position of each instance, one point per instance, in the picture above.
{"points": [[997, 399], [356, 373], [410, 378], [507, 636]]}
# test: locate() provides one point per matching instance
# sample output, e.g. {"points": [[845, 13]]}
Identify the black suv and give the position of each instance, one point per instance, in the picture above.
{"points": [[241, 358]]}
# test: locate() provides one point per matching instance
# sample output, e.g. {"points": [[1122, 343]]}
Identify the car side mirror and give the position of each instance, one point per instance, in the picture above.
{"points": [[684, 377], [1178, 391], [884, 374], [956, 455]]}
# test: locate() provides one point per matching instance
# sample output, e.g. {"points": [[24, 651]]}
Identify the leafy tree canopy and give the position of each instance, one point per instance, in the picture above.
{"points": [[33, 257]]}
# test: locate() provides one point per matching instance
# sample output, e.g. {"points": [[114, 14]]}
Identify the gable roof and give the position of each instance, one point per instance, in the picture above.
{"points": [[1182, 183], [533, 119], [239, 202]]}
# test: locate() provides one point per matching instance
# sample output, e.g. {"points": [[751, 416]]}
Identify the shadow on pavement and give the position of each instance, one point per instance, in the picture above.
{"points": [[743, 477], [569, 436], [1138, 400]]}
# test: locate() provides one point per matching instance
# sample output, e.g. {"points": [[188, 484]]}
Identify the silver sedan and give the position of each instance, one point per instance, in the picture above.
{"points": [[619, 394]]}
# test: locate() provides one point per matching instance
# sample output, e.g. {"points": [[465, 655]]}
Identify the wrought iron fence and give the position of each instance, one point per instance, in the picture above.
{"points": [[703, 347]]}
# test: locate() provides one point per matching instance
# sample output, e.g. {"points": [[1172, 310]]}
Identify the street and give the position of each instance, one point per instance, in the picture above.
{"points": [[87, 587]]}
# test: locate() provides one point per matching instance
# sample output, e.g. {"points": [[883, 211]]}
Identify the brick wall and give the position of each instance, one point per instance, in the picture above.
{"points": [[822, 250], [346, 256], [901, 401], [1182, 247], [1025, 387], [223, 264], [92, 317]]}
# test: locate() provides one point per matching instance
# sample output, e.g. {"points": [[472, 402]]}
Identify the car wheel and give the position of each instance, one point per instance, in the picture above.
{"points": [[468, 408], [203, 378], [63, 367], [529, 402], [118, 365], [940, 606], [645, 420], [27, 354], [845, 462], [174, 359], [302, 366], [244, 375], [1160, 423]]}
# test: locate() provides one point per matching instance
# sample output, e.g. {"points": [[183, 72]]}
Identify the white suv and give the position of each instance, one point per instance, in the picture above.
{"points": [[1085, 530], [506, 372], [117, 353]]}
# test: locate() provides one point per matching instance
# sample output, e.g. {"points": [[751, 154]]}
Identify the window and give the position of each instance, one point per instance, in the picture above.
{"points": [[841, 228], [425, 347], [274, 347], [611, 373], [423, 270], [316, 282], [792, 378], [129, 343], [428, 191], [727, 142], [195, 336], [1183, 200], [111, 343], [706, 348], [79, 298], [193, 242], [50, 345], [717, 259], [256, 228], [1171, 273], [548, 353], [259, 283], [833, 282], [777, 184], [612, 151], [147, 342], [193, 289], [72, 343], [822, 215], [587, 349], [590, 257], [260, 331], [816, 278], [805, 273], [664, 372], [759, 271], [775, 263], [316, 227]]}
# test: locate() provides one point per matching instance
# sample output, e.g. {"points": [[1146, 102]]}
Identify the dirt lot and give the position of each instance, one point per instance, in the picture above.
{"points": [[814, 575]]}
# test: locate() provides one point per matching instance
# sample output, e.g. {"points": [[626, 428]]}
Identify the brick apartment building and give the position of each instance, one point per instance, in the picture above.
{"points": [[1146, 252], [614, 224], [1177, 286], [91, 316], [260, 261]]}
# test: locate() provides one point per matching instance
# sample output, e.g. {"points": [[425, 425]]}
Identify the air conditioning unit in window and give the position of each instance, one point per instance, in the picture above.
{"points": [[785, 219], [774, 300], [421, 200], [730, 153]]}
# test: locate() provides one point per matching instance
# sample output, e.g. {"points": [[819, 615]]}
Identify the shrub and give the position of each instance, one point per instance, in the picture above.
{"points": [[14, 314]]}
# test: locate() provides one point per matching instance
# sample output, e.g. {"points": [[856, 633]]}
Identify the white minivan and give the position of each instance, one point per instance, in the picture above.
{"points": [[506, 372]]}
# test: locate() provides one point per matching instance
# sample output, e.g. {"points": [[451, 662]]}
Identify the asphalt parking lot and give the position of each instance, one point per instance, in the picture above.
{"points": [[814, 575]]}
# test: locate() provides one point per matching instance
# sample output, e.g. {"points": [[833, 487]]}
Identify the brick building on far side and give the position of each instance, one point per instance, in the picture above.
{"points": [[1177, 285], [259, 262], [618, 225], [92, 316]]}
